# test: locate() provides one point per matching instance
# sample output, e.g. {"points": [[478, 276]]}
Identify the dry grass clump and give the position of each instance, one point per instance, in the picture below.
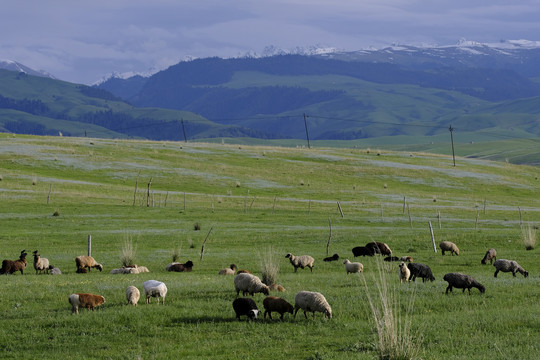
{"points": [[175, 253], [528, 235], [395, 338], [269, 264], [128, 252]]}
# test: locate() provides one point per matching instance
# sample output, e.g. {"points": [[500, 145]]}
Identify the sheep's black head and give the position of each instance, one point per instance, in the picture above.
{"points": [[189, 264], [99, 267], [288, 255], [525, 273], [252, 314]]}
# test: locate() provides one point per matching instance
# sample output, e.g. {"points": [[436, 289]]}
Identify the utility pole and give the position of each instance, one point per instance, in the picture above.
{"points": [[307, 134], [452, 139], [184, 130]]}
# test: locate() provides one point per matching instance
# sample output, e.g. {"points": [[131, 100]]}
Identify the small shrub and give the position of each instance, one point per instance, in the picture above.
{"points": [[528, 235], [190, 243], [238, 184], [269, 264], [175, 253], [128, 252], [34, 180], [56, 213], [196, 226]]}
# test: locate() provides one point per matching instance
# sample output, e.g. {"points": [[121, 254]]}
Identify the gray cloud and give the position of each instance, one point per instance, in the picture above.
{"points": [[82, 41]]}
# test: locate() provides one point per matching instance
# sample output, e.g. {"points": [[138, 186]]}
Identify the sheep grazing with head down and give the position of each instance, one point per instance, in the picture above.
{"points": [[312, 302], [276, 304], [377, 247], [491, 255], [276, 287], [509, 266], [247, 307], [462, 281], [84, 300], [178, 267], [154, 288], [420, 270], [40, 264], [87, 262], [132, 295], [449, 246], [404, 273], [353, 267], [228, 271], [302, 261], [11, 266], [334, 257], [361, 251], [249, 284]]}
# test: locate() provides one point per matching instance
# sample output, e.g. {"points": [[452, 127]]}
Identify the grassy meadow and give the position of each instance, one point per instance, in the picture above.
{"points": [[251, 203]]}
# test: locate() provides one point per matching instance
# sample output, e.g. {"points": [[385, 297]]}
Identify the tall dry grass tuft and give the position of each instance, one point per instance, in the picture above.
{"points": [[128, 253], [175, 253], [528, 235], [269, 263], [395, 338]]}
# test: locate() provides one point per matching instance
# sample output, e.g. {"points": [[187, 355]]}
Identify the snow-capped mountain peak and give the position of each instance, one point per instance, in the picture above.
{"points": [[16, 66]]}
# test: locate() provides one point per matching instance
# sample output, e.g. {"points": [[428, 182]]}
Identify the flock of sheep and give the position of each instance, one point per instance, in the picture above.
{"points": [[248, 284]]}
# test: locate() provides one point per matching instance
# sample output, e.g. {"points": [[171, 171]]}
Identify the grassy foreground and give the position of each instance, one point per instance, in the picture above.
{"points": [[251, 201]]}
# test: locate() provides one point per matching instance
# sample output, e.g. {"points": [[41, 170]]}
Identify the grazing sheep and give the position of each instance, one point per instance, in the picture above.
{"points": [[404, 273], [132, 295], [353, 267], [54, 270], [82, 271], [276, 287], [311, 301], [228, 271], [87, 262], [177, 267], [379, 248], [491, 255], [420, 270], [88, 301], [249, 284], [332, 258], [406, 258], [449, 246], [154, 288], [302, 261], [11, 266], [276, 304], [362, 251], [462, 281], [391, 258], [40, 264], [509, 266], [245, 306]]}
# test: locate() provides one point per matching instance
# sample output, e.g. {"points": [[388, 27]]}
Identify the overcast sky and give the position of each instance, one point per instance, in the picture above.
{"points": [[81, 41]]}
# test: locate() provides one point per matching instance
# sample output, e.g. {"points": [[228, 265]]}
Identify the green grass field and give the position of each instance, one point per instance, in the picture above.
{"points": [[251, 201]]}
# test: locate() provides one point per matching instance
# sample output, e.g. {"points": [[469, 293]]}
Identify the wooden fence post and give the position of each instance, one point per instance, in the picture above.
{"points": [[432, 238], [89, 245]]}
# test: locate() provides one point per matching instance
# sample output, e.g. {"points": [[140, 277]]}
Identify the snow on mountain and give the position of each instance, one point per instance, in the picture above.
{"points": [[16, 66]]}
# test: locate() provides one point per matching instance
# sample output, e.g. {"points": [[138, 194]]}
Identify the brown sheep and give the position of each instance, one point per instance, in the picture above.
{"points": [[177, 267], [449, 246], [88, 262], [491, 255], [276, 304], [228, 271], [88, 301], [276, 287], [243, 271], [11, 266], [379, 248]]}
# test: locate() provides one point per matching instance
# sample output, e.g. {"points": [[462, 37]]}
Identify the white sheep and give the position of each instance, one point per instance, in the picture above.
{"points": [[509, 266], [154, 288], [129, 270], [132, 295], [449, 246], [404, 273], [40, 264], [353, 267], [88, 262], [311, 301], [249, 284], [302, 261]]}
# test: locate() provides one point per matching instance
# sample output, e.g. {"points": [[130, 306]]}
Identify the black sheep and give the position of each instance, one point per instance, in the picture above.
{"points": [[420, 270], [245, 306], [392, 258], [332, 258], [361, 251], [188, 266], [377, 247], [462, 281]]}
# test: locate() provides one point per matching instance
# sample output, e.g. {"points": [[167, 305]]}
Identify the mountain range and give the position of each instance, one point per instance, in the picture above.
{"points": [[399, 94]]}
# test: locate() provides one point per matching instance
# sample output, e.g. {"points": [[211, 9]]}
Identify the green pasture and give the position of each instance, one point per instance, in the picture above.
{"points": [[251, 201]]}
